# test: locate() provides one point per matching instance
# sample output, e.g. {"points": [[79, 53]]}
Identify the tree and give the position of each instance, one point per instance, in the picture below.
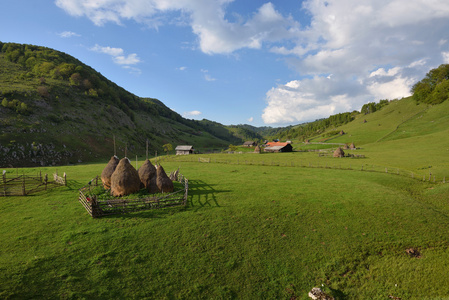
{"points": [[167, 148]]}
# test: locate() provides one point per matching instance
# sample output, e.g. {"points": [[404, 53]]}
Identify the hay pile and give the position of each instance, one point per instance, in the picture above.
{"points": [[108, 171], [147, 175], [174, 175], [257, 149], [352, 146], [339, 152], [164, 183], [125, 179]]}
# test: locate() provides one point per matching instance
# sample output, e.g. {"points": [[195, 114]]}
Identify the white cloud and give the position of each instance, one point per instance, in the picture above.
{"points": [[181, 68], [68, 34], [131, 59], [119, 57], [250, 119], [207, 76], [108, 50], [378, 51], [207, 18], [352, 52], [445, 57], [193, 113]]}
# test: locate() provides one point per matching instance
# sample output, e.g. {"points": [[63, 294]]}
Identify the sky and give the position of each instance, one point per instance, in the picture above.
{"points": [[254, 62]]}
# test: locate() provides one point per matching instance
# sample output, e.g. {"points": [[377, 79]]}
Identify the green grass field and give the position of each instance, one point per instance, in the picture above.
{"points": [[256, 226], [249, 231]]}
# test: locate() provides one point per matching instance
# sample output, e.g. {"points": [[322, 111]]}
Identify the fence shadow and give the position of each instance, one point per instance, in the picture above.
{"points": [[202, 194]]}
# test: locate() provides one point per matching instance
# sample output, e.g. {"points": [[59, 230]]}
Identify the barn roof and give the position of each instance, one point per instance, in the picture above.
{"points": [[274, 148], [275, 144], [184, 148]]}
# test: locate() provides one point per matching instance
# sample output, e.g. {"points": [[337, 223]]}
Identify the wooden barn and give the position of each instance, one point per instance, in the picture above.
{"points": [[278, 147], [184, 150], [249, 144]]}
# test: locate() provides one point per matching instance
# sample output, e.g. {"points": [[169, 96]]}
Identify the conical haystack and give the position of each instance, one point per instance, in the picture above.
{"points": [[346, 147], [125, 179], [164, 183], [339, 152], [146, 172], [257, 149], [108, 171], [352, 146]]}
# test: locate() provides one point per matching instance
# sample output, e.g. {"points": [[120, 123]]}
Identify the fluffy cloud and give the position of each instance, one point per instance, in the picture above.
{"points": [[206, 18], [350, 53], [193, 113], [68, 34], [119, 57], [377, 51]]}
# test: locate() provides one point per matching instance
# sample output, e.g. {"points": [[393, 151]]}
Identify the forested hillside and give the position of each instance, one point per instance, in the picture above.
{"points": [[55, 109]]}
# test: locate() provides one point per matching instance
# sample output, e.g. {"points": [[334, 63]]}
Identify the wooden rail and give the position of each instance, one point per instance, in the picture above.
{"points": [[118, 205]]}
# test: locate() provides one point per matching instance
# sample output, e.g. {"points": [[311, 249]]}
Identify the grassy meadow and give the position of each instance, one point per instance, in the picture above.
{"points": [[256, 226], [248, 232]]}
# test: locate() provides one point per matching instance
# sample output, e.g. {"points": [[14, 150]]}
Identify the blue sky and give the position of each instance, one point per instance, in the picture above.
{"points": [[262, 63]]}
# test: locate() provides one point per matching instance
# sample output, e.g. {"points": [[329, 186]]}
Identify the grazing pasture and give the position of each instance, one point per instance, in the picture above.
{"points": [[249, 231]]}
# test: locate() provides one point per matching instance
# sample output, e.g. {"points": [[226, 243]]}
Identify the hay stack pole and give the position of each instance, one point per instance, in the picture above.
{"points": [[125, 179], [108, 171], [164, 183]]}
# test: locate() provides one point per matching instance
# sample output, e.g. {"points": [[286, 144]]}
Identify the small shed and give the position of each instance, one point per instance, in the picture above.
{"points": [[249, 144], [278, 147], [184, 150]]}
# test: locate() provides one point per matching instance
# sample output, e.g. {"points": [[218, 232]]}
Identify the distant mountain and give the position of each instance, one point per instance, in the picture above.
{"points": [[56, 110]]}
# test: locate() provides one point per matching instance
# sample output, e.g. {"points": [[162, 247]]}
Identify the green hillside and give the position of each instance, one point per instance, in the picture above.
{"points": [[56, 110]]}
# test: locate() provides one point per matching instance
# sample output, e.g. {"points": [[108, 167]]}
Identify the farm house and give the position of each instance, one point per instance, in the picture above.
{"points": [[184, 150], [249, 144], [278, 147]]}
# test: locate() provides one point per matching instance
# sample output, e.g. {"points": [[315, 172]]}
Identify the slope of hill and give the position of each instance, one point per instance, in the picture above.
{"points": [[55, 110]]}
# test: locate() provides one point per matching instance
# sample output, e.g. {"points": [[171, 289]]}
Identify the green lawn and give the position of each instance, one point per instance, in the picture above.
{"points": [[248, 232]]}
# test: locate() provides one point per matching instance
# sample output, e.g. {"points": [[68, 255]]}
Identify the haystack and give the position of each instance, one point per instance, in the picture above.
{"points": [[174, 175], [339, 152], [107, 172], [352, 146], [346, 147], [147, 175], [125, 179], [257, 149], [164, 183]]}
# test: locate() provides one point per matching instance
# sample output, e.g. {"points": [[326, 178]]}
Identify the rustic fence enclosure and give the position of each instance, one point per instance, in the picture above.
{"points": [[97, 207], [22, 185]]}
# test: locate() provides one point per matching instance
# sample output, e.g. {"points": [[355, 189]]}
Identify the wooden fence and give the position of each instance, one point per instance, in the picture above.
{"points": [[117, 205], [334, 164], [22, 185]]}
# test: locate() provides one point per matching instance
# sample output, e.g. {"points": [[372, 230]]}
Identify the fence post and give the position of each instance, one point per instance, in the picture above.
{"points": [[444, 179], [23, 187], [4, 183], [65, 179], [46, 181], [386, 170]]}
